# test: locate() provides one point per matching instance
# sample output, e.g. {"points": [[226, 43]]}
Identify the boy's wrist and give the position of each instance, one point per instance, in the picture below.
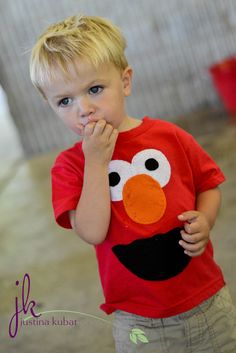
{"points": [[208, 219], [208, 203], [96, 165]]}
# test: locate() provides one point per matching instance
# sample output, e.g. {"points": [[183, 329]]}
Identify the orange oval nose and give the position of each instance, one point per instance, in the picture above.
{"points": [[144, 200]]}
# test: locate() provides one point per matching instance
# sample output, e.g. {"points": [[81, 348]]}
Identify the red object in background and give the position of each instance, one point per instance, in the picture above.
{"points": [[224, 77]]}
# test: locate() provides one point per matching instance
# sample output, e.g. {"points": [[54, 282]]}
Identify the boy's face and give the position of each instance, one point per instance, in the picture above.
{"points": [[91, 95]]}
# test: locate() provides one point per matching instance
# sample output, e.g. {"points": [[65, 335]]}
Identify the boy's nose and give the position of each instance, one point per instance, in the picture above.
{"points": [[85, 108]]}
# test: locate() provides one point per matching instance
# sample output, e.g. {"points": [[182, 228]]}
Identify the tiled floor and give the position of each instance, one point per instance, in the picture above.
{"points": [[62, 268]]}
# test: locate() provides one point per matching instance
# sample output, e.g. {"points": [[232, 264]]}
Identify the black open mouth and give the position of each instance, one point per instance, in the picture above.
{"points": [[154, 259]]}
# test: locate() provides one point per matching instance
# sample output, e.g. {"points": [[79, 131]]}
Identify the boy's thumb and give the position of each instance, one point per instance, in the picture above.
{"points": [[188, 216]]}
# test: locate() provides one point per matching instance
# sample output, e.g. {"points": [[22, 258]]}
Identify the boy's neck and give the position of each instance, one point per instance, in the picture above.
{"points": [[129, 123]]}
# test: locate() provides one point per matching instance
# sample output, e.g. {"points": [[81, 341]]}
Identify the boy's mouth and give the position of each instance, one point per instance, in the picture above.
{"points": [[90, 119], [157, 258]]}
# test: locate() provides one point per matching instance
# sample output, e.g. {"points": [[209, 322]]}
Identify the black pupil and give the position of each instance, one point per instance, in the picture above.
{"points": [[114, 179], [65, 101], [151, 164], [94, 89]]}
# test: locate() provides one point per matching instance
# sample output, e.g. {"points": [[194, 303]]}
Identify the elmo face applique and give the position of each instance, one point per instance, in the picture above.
{"points": [[139, 186]]}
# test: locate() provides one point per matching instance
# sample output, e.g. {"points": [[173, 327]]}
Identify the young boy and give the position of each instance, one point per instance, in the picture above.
{"points": [[143, 192]]}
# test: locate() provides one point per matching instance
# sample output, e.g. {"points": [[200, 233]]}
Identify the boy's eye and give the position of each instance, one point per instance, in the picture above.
{"points": [[65, 101], [95, 89]]}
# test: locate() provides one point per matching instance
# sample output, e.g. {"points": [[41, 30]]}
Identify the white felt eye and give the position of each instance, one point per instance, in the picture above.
{"points": [[154, 163], [119, 172]]}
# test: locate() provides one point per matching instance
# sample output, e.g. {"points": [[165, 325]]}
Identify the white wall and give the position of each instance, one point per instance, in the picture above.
{"points": [[10, 147]]}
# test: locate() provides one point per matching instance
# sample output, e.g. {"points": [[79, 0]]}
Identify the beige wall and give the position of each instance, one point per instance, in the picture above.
{"points": [[170, 46]]}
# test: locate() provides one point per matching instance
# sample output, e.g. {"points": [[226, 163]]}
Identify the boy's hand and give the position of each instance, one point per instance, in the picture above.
{"points": [[195, 234], [99, 139]]}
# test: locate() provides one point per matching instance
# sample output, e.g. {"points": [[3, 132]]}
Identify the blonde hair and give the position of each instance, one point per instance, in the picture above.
{"points": [[90, 38]]}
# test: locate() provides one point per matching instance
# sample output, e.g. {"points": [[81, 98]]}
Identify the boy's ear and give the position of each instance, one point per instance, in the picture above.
{"points": [[127, 80]]}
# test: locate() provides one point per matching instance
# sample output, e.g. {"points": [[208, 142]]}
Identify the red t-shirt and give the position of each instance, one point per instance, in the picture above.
{"points": [[156, 172]]}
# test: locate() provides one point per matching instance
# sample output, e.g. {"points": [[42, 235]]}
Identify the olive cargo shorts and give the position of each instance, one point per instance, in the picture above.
{"points": [[210, 328]]}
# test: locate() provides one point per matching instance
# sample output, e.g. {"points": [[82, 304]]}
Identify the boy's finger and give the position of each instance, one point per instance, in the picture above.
{"points": [[108, 130], [114, 134], [194, 253], [189, 246], [189, 216], [190, 238], [191, 227], [186, 238], [89, 129], [99, 127]]}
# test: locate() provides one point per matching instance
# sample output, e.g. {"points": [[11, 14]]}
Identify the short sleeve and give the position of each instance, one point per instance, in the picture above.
{"points": [[67, 181], [205, 171]]}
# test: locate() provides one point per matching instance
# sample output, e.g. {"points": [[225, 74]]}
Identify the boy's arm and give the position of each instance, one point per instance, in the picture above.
{"points": [[199, 222], [91, 218]]}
